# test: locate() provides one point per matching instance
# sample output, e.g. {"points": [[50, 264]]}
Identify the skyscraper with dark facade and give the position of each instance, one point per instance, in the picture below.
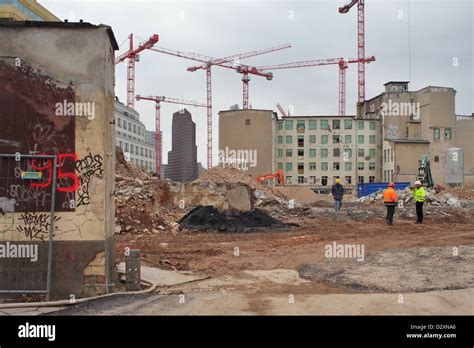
{"points": [[182, 159]]}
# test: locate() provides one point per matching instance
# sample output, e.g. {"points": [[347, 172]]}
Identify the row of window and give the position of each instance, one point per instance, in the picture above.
{"points": [[135, 149], [336, 152], [336, 139], [324, 180], [324, 124], [130, 126], [142, 164], [324, 166], [388, 155], [437, 133]]}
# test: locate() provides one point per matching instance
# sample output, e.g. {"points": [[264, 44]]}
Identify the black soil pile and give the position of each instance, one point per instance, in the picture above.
{"points": [[206, 218]]}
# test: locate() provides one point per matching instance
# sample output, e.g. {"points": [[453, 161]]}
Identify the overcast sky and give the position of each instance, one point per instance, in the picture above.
{"points": [[440, 53]]}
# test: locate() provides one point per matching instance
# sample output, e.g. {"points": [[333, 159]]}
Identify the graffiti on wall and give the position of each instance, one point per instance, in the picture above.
{"points": [[36, 225], [87, 168]]}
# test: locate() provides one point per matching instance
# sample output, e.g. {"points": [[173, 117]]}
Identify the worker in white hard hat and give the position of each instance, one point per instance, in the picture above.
{"points": [[419, 195], [337, 191]]}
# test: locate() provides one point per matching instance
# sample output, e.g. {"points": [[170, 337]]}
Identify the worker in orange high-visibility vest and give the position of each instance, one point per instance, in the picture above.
{"points": [[390, 200]]}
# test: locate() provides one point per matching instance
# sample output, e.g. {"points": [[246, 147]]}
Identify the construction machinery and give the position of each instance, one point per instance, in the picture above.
{"points": [[267, 176], [424, 171]]}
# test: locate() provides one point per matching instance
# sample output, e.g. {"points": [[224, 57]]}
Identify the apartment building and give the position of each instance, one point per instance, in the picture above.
{"points": [[311, 150], [25, 10], [417, 123], [131, 137]]}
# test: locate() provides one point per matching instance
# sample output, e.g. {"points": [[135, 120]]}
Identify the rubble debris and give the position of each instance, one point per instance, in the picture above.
{"points": [[209, 218]]}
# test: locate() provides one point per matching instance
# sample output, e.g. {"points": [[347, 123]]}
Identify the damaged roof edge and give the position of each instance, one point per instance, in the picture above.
{"points": [[63, 25]]}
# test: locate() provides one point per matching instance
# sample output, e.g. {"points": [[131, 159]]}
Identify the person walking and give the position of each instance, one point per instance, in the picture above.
{"points": [[419, 195], [338, 193], [390, 200]]}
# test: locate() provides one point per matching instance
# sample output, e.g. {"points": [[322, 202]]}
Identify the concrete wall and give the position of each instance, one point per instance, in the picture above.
{"points": [[248, 130], [406, 159], [42, 66], [465, 140]]}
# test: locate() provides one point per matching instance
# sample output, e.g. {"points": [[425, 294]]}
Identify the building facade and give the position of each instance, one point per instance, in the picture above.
{"points": [[131, 137], [417, 123], [182, 159], [25, 10], [310, 150]]}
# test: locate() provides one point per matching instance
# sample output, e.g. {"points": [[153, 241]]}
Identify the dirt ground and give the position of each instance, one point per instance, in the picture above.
{"points": [[283, 253]]}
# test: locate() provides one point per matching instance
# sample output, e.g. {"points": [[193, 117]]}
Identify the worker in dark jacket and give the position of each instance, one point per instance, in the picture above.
{"points": [[390, 200], [337, 192]]}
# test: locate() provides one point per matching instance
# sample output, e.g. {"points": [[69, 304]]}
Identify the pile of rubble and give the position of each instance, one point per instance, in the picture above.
{"points": [[433, 197], [141, 200]]}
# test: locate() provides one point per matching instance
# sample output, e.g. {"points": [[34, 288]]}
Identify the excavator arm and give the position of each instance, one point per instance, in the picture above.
{"points": [[267, 176]]}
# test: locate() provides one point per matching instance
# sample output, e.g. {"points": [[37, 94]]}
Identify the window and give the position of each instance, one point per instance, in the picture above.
{"points": [[129, 126], [300, 125], [289, 166], [336, 152], [280, 152], [360, 165], [360, 152], [146, 152], [324, 152], [335, 166], [391, 155], [300, 179], [436, 159], [336, 124], [312, 124], [141, 151], [300, 152], [137, 152], [300, 168], [372, 125], [348, 179], [119, 122], [436, 133], [312, 139], [385, 155], [372, 166], [289, 152], [300, 140], [371, 178], [312, 153], [134, 128], [371, 139], [289, 139], [131, 148], [121, 145], [126, 147], [324, 139], [324, 124], [360, 125], [324, 166], [447, 133], [289, 179], [347, 166], [360, 139], [347, 154], [324, 180], [347, 124], [348, 139], [280, 165], [360, 179], [372, 153], [280, 125], [312, 165], [336, 139], [312, 180], [280, 139], [139, 131], [289, 124], [247, 121]]}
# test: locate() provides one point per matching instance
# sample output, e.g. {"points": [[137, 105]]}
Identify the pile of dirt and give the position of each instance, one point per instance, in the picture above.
{"points": [[206, 218], [461, 192], [142, 200], [231, 174]]}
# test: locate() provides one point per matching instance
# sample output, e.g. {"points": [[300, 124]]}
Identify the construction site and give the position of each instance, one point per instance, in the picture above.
{"points": [[251, 228]]}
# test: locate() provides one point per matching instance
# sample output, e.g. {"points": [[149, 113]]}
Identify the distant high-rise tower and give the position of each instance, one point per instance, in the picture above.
{"points": [[182, 159]]}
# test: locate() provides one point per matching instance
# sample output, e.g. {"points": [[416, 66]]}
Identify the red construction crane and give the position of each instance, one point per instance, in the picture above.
{"points": [[158, 140], [341, 62], [282, 111], [132, 55], [228, 62], [360, 44]]}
